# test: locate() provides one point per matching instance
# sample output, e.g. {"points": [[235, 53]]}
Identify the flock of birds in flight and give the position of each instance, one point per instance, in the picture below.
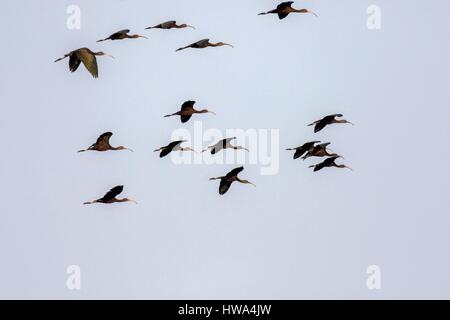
{"points": [[307, 150]]}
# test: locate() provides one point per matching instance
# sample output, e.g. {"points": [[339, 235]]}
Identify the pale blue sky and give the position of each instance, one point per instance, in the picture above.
{"points": [[297, 234]]}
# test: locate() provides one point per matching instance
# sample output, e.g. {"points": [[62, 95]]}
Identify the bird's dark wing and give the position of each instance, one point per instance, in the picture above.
{"points": [[168, 24], [169, 148], [284, 5], [324, 145], [282, 15], [120, 33], [188, 105], [89, 60], [201, 43], [173, 144], [185, 119], [234, 172], [74, 63], [320, 125], [299, 152], [224, 186], [319, 166], [112, 193], [104, 139]]}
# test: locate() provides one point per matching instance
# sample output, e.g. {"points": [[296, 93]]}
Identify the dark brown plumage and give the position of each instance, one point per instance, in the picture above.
{"points": [[329, 162], [320, 151], [320, 124], [122, 34], [102, 144], [299, 151], [170, 25], [110, 197], [227, 180], [86, 56], [204, 44], [187, 110], [224, 144], [173, 146], [285, 8]]}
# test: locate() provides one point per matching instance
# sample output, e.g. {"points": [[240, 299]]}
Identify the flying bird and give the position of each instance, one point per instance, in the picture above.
{"points": [[226, 181], [319, 151], [173, 146], [328, 163], [170, 25], [110, 197], [86, 56], [299, 151], [204, 44], [320, 124], [285, 8], [122, 34], [224, 144], [187, 110], [102, 144]]}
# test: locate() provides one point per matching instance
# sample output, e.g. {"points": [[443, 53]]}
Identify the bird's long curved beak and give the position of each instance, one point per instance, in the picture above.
{"points": [[350, 123], [230, 45], [313, 13], [213, 113], [129, 149], [189, 26], [143, 37], [109, 55], [349, 168]]}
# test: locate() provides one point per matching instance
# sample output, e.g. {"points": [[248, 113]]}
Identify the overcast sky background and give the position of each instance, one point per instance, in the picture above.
{"points": [[297, 234]]}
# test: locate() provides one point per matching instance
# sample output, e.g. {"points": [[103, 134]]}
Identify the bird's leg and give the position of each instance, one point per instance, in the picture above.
{"points": [[216, 178], [268, 12], [65, 56], [160, 149], [179, 49], [315, 122], [171, 115], [344, 166], [90, 202], [245, 182]]}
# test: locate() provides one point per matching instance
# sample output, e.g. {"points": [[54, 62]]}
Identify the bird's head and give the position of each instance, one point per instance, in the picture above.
{"points": [[135, 36], [221, 44], [184, 25], [128, 200], [207, 111], [101, 53], [124, 148]]}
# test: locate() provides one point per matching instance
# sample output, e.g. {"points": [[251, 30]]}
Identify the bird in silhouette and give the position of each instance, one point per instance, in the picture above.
{"points": [[329, 162], [204, 44], [224, 144], [299, 151], [173, 146], [102, 144], [226, 181], [187, 110], [110, 197], [122, 34], [320, 151], [170, 25], [86, 56], [320, 124], [285, 8]]}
